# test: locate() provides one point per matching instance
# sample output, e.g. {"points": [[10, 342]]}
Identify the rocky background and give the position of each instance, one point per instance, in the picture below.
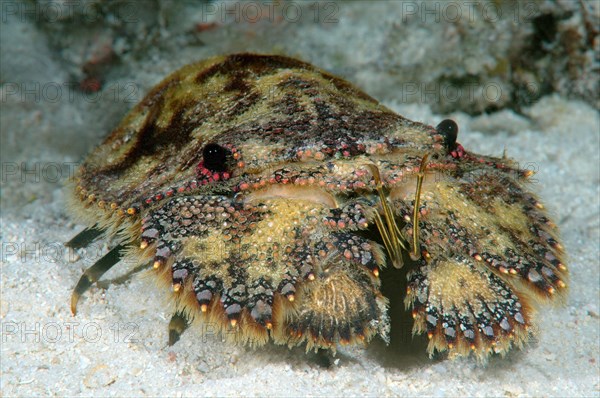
{"points": [[520, 76]]}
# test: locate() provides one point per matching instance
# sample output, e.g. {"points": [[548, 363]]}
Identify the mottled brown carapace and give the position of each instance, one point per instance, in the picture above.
{"points": [[267, 194]]}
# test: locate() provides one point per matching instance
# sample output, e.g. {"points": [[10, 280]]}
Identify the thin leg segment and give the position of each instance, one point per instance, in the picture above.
{"points": [[178, 324], [94, 273], [84, 238]]}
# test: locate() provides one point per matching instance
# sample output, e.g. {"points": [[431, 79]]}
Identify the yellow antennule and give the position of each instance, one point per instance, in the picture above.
{"points": [[415, 254], [390, 233]]}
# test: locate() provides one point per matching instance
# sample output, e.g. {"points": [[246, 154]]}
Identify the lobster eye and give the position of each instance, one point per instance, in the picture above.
{"points": [[449, 129], [215, 157]]}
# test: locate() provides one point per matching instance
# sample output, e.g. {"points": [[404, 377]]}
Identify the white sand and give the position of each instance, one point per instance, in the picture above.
{"points": [[116, 345]]}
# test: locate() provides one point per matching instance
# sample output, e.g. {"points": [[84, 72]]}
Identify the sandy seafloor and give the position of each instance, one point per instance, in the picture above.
{"points": [[116, 345]]}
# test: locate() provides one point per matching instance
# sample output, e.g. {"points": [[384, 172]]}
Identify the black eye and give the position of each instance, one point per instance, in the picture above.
{"points": [[215, 157], [449, 129]]}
